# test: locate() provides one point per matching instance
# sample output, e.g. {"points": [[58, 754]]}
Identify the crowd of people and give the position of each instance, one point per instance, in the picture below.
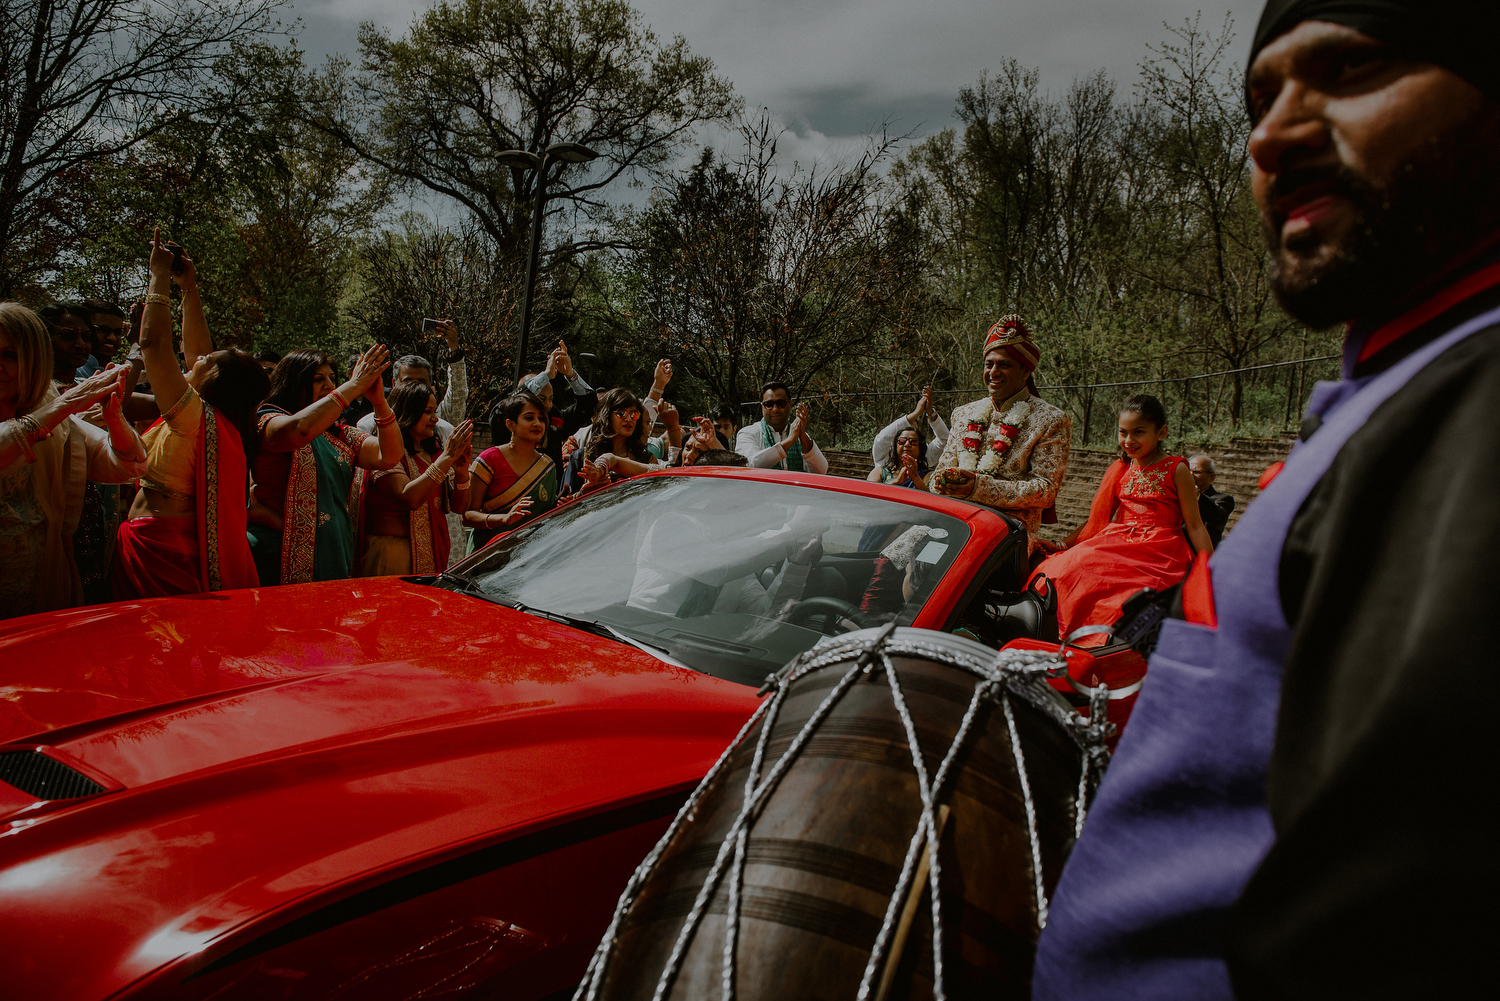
{"points": [[345, 478], [123, 479], [1295, 810]]}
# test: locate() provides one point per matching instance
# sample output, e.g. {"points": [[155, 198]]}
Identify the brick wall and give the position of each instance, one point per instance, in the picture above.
{"points": [[1239, 463]]}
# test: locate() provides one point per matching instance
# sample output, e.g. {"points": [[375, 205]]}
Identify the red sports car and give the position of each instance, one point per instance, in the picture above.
{"points": [[400, 788]]}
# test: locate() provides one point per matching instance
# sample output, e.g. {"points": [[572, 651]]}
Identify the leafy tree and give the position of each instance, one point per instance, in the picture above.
{"points": [[473, 78], [268, 207], [1204, 229], [84, 80], [421, 270], [1123, 231], [751, 274]]}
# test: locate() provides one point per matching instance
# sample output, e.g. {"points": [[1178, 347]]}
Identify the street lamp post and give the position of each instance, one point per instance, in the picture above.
{"points": [[567, 153]]}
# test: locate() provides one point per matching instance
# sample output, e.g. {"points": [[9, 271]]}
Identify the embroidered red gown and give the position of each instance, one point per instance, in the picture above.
{"points": [[1144, 547]]}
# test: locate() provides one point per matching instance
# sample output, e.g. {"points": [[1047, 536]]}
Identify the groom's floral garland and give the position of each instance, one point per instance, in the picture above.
{"points": [[1009, 430]]}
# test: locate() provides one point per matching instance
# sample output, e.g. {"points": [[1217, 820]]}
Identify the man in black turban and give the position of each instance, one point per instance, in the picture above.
{"points": [[1296, 810]]}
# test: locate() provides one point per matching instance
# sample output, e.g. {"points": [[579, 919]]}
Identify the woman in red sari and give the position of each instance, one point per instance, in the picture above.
{"points": [[186, 531], [405, 526], [1134, 536], [514, 482]]}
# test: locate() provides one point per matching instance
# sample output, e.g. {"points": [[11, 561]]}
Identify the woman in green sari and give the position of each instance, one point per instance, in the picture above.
{"points": [[514, 482], [301, 526]]}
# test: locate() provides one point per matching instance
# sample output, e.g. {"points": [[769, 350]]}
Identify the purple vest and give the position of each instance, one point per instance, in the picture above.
{"points": [[1181, 822]]}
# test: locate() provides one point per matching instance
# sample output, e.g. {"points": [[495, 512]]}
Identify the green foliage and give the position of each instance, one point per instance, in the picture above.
{"points": [[83, 82], [1121, 226], [749, 273], [1124, 231], [265, 205]]}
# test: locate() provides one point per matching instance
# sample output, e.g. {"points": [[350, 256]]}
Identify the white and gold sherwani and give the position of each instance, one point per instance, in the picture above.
{"points": [[1030, 471]]}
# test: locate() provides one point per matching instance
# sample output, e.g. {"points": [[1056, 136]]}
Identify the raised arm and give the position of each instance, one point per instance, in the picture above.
{"points": [[673, 421], [168, 384], [451, 407], [284, 433], [18, 438], [118, 455], [939, 438], [659, 379], [196, 340], [384, 448], [885, 440], [418, 490]]}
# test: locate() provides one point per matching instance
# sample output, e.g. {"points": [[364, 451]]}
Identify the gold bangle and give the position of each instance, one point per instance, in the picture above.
{"points": [[386, 421], [23, 440], [38, 432], [156, 299], [339, 399]]}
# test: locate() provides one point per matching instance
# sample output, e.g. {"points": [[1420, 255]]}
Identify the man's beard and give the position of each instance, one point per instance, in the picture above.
{"points": [[1404, 229]]}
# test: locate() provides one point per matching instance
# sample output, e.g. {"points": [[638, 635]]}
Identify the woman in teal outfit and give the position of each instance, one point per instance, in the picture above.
{"points": [[301, 524]]}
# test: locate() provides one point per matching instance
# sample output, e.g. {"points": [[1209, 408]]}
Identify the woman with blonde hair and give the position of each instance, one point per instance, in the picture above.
{"points": [[47, 456], [186, 532]]}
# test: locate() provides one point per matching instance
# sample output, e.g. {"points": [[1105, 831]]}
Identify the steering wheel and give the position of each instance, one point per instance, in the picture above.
{"points": [[834, 608]]}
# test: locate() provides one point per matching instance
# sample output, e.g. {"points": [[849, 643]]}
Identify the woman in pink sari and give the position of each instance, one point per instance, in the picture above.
{"points": [[186, 531], [404, 529]]}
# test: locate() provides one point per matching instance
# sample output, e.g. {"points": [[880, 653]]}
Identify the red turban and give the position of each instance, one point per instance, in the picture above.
{"points": [[1010, 333]]}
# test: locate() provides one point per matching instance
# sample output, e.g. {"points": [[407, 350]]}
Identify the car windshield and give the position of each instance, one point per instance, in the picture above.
{"points": [[730, 577]]}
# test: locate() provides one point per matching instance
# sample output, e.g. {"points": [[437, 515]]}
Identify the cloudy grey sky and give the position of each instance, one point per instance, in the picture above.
{"points": [[833, 69]]}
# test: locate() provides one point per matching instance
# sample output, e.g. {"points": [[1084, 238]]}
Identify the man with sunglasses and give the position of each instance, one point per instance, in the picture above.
{"points": [[779, 440]]}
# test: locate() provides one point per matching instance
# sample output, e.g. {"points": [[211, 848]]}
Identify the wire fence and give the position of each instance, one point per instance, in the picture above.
{"points": [[861, 394], [1081, 399]]}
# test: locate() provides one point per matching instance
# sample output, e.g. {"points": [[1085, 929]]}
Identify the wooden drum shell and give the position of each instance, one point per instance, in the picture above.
{"points": [[824, 855]]}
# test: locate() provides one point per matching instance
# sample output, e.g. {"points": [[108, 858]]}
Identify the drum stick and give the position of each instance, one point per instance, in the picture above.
{"points": [[909, 911]]}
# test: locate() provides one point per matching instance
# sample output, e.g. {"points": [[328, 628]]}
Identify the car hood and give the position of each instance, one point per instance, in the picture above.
{"points": [[258, 748]]}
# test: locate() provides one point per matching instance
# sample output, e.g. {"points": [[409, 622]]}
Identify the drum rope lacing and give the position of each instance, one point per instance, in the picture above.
{"points": [[1011, 672]]}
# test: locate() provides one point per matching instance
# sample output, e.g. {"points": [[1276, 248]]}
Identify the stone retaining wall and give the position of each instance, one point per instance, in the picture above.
{"points": [[1239, 464]]}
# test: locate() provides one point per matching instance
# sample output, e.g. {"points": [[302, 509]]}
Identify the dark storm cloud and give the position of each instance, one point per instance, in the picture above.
{"points": [[860, 108], [839, 68]]}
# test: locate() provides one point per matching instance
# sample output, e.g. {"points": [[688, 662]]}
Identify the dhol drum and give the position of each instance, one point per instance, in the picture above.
{"points": [[802, 866]]}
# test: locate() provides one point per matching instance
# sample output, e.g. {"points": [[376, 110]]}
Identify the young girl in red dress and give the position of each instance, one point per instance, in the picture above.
{"points": [[1134, 536]]}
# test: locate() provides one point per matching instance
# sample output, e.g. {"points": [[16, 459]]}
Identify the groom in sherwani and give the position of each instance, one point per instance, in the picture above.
{"points": [[1010, 450]]}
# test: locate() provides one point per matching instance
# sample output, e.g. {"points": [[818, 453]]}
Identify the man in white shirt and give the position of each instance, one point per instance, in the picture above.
{"points": [[778, 439]]}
